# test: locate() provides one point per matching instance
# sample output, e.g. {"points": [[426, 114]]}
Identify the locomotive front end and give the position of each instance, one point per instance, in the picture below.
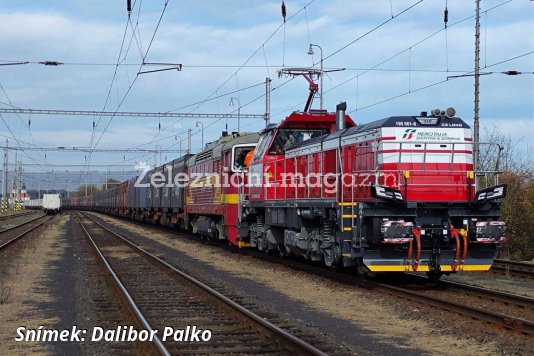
{"points": [[426, 213]]}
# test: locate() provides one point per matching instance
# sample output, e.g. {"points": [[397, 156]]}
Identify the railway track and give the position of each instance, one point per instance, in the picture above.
{"points": [[520, 270], [10, 235], [161, 296], [17, 215], [515, 311], [475, 311]]}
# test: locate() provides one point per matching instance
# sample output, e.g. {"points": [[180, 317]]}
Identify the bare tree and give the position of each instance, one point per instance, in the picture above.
{"points": [[503, 153], [517, 166], [86, 189]]}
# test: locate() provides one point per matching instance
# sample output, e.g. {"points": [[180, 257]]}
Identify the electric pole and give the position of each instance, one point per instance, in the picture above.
{"points": [[189, 141], [15, 180], [4, 175], [267, 101], [476, 148], [19, 184]]}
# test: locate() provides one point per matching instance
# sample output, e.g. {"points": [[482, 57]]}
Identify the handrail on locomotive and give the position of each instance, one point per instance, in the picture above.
{"points": [[291, 181]]}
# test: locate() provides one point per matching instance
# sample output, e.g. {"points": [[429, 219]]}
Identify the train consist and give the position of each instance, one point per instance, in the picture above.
{"points": [[394, 195]]}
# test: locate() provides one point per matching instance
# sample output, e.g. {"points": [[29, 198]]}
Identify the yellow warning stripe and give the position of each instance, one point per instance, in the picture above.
{"points": [[347, 204], [394, 268], [347, 229], [476, 267], [230, 198], [350, 216], [424, 268]]}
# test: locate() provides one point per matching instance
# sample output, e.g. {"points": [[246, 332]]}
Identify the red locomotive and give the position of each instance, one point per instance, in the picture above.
{"points": [[398, 194]]}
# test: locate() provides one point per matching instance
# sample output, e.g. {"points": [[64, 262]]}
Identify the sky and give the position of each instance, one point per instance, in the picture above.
{"points": [[389, 57]]}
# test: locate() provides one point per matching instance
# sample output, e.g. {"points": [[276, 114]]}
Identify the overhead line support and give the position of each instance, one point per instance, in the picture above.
{"points": [[127, 113]]}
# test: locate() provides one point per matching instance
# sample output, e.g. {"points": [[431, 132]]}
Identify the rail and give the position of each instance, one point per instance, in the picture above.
{"points": [[157, 343], [504, 297], [9, 241], [500, 319], [514, 269], [277, 335], [17, 215]]}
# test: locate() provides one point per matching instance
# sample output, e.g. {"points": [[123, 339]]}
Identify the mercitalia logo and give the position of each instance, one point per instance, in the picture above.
{"points": [[408, 134]]}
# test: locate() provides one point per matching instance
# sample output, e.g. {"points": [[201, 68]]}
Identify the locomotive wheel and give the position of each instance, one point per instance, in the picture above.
{"points": [[282, 252], [332, 256], [262, 244], [433, 275]]}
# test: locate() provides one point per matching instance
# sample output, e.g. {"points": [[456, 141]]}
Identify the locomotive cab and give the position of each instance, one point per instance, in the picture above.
{"points": [[268, 162]]}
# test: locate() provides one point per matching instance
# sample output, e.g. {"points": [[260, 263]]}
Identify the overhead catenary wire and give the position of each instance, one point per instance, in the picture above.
{"points": [[393, 16], [135, 79], [261, 47], [86, 149], [249, 58], [372, 30], [18, 143], [283, 6], [135, 114], [113, 79], [410, 70], [215, 122], [439, 82], [20, 119], [397, 54], [275, 65]]}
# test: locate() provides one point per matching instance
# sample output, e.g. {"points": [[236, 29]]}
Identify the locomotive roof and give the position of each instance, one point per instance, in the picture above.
{"points": [[394, 121], [299, 119], [214, 149]]}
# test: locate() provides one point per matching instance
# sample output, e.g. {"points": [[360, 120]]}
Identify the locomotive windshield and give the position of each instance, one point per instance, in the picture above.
{"points": [[287, 137], [239, 154]]}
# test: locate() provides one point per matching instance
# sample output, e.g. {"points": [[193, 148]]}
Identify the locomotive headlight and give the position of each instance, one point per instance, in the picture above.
{"points": [[491, 193], [450, 112], [386, 193]]}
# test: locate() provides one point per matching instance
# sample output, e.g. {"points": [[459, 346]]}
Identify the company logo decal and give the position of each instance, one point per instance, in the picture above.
{"points": [[431, 135], [408, 134]]}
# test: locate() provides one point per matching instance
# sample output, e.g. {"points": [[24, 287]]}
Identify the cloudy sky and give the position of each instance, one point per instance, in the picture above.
{"points": [[396, 56]]}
